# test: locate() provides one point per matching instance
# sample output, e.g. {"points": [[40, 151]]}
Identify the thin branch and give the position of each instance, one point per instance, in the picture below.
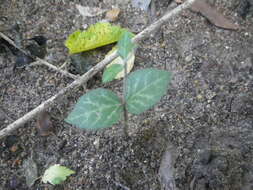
{"points": [[59, 70], [121, 185], [38, 60], [85, 77], [64, 65], [12, 43], [51, 101]]}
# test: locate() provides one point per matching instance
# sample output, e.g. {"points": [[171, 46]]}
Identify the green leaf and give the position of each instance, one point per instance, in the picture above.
{"points": [[145, 88], [97, 35], [56, 174], [98, 108], [117, 73], [111, 72], [125, 45]]}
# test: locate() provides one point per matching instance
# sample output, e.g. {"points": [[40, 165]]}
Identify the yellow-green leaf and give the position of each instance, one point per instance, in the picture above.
{"points": [[56, 174], [96, 35]]}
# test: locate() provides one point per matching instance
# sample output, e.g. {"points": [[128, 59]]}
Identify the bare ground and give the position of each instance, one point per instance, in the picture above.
{"points": [[207, 114]]}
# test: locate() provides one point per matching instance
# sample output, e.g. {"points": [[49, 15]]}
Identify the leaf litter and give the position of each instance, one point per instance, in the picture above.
{"points": [[89, 11], [56, 174], [142, 4], [44, 124], [30, 171], [215, 17], [97, 35], [112, 15]]}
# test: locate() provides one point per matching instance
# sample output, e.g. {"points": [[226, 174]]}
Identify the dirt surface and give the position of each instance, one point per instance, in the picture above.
{"points": [[206, 116]]}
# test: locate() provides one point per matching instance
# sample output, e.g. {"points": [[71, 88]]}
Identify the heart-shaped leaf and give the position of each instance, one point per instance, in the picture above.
{"points": [[98, 108], [145, 88]]}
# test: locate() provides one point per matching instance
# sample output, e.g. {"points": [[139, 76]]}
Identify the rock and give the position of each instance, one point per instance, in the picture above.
{"points": [[188, 58]]}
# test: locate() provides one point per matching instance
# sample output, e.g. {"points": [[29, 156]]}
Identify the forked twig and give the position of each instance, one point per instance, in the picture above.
{"points": [[43, 62], [85, 77], [38, 60]]}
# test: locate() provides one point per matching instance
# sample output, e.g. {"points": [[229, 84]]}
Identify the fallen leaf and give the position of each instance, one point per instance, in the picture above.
{"points": [[142, 4], [16, 162], [166, 170], [30, 171], [22, 60], [178, 1], [56, 174], [89, 11], [216, 18], [97, 35], [44, 124], [38, 46], [80, 63], [113, 14], [212, 15]]}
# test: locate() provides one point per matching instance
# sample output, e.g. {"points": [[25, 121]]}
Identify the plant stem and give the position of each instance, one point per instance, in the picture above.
{"points": [[124, 99]]}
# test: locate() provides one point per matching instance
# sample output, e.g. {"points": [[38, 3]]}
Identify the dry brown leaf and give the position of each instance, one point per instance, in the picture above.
{"points": [[89, 11], [178, 1], [213, 15], [113, 14], [216, 18], [44, 124]]}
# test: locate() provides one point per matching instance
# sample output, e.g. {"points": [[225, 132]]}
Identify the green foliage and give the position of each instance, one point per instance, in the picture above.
{"points": [[56, 174], [118, 73], [102, 108], [97, 35], [97, 109], [145, 88], [125, 45], [111, 72]]}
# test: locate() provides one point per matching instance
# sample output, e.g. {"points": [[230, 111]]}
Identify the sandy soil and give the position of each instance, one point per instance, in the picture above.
{"points": [[206, 118]]}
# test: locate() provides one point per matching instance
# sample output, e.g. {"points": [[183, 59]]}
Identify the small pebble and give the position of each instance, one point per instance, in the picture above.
{"points": [[96, 143], [188, 58], [199, 97], [14, 148]]}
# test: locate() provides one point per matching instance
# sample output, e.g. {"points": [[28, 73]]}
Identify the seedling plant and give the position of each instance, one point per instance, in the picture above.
{"points": [[142, 89]]}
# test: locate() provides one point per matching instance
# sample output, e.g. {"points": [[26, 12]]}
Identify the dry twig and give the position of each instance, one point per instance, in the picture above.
{"points": [[43, 62], [38, 60], [85, 77]]}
